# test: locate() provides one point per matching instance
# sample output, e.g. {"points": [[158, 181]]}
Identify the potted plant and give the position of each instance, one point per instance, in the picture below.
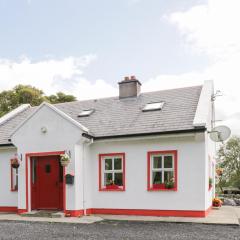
{"points": [[64, 159], [216, 202], [210, 182], [158, 185], [169, 184], [219, 171], [15, 162], [111, 185]]}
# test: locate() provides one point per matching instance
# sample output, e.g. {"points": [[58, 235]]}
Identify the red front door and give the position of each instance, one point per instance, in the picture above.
{"points": [[47, 183]]}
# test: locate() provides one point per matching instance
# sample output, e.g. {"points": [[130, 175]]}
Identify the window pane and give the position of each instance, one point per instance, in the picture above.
{"points": [[157, 177], [118, 179], [157, 162], [108, 164], [14, 179], [117, 163], [168, 162], [108, 179], [168, 176]]}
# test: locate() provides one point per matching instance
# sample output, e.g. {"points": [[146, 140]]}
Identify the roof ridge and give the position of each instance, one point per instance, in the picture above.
{"points": [[113, 97]]}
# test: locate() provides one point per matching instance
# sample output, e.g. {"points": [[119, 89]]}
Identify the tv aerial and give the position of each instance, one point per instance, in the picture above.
{"points": [[220, 133]]}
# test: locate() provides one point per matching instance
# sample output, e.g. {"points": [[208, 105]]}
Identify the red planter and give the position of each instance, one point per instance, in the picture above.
{"points": [[159, 186], [113, 186]]}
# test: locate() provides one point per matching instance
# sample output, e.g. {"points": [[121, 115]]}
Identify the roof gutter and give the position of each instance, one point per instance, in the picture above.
{"points": [[195, 130], [7, 145]]}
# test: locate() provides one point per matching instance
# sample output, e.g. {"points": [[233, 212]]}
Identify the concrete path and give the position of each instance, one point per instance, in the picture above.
{"points": [[226, 215], [84, 219]]}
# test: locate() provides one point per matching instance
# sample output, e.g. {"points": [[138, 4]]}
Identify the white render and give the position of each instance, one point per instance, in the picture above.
{"points": [[65, 134], [8, 198], [191, 174]]}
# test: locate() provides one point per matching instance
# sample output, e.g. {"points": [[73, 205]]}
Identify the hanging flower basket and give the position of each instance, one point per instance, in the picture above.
{"points": [[15, 162], [64, 159]]}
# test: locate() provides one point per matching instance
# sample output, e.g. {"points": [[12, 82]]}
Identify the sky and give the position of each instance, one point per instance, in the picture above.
{"points": [[85, 48]]}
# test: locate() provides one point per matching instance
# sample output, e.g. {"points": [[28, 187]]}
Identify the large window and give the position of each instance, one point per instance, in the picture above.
{"points": [[112, 172], [14, 178], [162, 170]]}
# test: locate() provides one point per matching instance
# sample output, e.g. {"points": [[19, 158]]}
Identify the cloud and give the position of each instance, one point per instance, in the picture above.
{"points": [[212, 30], [53, 75]]}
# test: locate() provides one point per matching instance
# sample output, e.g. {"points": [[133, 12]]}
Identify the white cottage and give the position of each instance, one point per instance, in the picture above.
{"points": [[135, 154]]}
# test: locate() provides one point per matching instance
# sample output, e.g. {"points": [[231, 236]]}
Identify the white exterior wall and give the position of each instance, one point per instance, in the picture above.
{"points": [[7, 197], [191, 175], [61, 135], [210, 153]]}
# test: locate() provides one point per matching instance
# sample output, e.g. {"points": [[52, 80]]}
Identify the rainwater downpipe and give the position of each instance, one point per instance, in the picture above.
{"points": [[87, 143]]}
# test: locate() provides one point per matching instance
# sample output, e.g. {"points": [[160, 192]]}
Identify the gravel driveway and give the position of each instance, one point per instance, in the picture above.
{"points": [[116, 230]]}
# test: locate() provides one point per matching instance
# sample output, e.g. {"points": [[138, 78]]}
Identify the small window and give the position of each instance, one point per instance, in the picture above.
{"points": [[153, 106], [111, 172], [210, 173], [14, 179], [162, 170], [86, 113]]}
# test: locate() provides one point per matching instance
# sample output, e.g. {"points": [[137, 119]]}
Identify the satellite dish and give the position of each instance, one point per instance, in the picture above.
{"points": [[220, 133]]}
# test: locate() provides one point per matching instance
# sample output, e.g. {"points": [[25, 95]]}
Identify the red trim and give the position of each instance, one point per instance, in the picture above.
{"points": [[100, 172], [64, 190], [8, 209], [74, 213], [148, 212], [11, 172], [174, 152], [26, 162], [20, 211], [36, 154]]}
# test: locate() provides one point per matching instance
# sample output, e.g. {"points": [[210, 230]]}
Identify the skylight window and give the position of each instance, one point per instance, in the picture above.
{"points": [[86, 113], [153, 106]]}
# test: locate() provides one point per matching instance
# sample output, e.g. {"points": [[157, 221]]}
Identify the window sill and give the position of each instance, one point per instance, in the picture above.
{"points": [[106, 189], [111, 190], [162, 189]]}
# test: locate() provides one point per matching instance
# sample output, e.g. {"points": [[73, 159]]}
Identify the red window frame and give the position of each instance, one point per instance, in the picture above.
{"points": [[149, 184], [13, 189], [102, 155], [210, 168]]}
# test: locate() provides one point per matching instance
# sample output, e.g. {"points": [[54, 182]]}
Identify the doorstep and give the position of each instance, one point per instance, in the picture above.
{"points": [[43, 213], [226, 215]]}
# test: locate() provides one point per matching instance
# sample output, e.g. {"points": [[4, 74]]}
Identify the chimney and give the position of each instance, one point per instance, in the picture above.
{"points": [[129, 87]]}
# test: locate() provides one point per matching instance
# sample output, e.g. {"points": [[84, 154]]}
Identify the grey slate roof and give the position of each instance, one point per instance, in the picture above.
{"points": [[114, 117]]}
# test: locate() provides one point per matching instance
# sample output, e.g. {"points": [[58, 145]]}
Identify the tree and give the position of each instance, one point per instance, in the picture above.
{"points": [[229, 160], [21, 94], [60, 98]]}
